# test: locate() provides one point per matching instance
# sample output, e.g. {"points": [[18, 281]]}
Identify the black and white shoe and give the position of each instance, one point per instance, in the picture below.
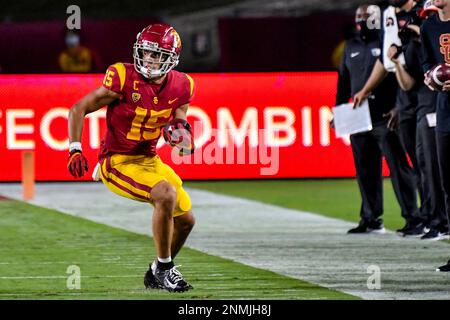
{"points": [[434, 235], [415, 231], [444, 268], [364, 227], [377, 229], [150, 280], [172, 280]]}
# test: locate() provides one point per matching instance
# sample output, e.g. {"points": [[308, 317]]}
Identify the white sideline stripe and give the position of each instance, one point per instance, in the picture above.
{"points": [[65, 277], [231, 296], [71, 263], [297, 244]]}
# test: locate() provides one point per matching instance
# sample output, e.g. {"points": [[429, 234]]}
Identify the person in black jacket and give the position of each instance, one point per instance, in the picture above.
{"points": [[407, 14], [406, 128], [435, 36], [410, 78], [360, 55]]}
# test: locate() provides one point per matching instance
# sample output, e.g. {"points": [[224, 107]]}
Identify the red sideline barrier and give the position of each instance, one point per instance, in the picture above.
{"points": [[287, 112]]}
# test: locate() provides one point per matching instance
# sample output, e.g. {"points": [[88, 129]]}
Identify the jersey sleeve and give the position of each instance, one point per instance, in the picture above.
{"points": [[114, 79], [189, 91], [343, 92]]}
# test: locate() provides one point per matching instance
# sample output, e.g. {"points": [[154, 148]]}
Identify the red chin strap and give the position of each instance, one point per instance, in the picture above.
{"points": [[424, 13]]}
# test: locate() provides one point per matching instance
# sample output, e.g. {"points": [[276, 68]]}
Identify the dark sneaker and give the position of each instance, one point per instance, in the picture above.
{"points": [[150, 281], [417, 230], [368, 227], [358, 229], [434, 235], [444, 268], [172, 280], [376, 227], [402, 230]]}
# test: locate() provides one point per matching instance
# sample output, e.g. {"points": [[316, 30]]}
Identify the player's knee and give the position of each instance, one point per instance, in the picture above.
{"points": [[168, 199], [164, 195]]}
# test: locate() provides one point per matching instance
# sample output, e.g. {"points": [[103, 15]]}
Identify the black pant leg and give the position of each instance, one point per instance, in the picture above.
{"points": [[367, 158], [430, 170], [408, 137], [443, 147], [425, 193], [402, 176]]}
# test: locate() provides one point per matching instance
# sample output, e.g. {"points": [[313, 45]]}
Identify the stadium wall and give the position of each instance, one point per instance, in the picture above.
{"points": [[247, 125]]}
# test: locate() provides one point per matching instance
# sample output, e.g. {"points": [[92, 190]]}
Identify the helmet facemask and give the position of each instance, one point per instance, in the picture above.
{"points": [[152, 61]]}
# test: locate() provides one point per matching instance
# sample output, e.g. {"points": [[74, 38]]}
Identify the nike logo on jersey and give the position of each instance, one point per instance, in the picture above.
{"points": [[354, 54], [172, 101]]}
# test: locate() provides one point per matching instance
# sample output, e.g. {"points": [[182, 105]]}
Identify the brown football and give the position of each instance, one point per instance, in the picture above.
{"points": [[439, 74]]}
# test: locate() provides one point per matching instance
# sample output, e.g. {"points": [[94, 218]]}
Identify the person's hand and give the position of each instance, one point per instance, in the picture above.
{"points": [[393, 53], [392, 117], [427, 80], [77, 164], [359, 97], [446, 86]]}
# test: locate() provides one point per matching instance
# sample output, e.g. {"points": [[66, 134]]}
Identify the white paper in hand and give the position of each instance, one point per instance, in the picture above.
{"points": [[391, 37], [349, 121]]}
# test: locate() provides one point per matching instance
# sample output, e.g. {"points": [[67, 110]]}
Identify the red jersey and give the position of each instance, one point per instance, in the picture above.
{"points": [[134, 121]]}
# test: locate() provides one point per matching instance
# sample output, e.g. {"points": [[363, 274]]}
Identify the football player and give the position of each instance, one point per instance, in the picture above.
{"points": [[141, 99]]}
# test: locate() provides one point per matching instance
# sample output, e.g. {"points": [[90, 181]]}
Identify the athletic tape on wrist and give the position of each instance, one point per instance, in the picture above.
{"points": [[75, 146]]}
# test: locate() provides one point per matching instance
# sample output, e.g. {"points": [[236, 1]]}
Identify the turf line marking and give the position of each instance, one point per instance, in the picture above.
{"points": [[65, 277], [259, 235]]}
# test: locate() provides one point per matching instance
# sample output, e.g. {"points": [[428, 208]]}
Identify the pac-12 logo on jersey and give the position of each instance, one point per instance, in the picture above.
{"points": [[444, 41], [135, 96]]}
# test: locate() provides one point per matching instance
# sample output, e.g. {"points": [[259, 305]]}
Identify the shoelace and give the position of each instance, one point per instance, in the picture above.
{"points": [[175, 275]]}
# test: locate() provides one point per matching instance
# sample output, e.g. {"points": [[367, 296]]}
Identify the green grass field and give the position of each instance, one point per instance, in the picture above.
{"points": [[38, 245], [337, 198]]}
